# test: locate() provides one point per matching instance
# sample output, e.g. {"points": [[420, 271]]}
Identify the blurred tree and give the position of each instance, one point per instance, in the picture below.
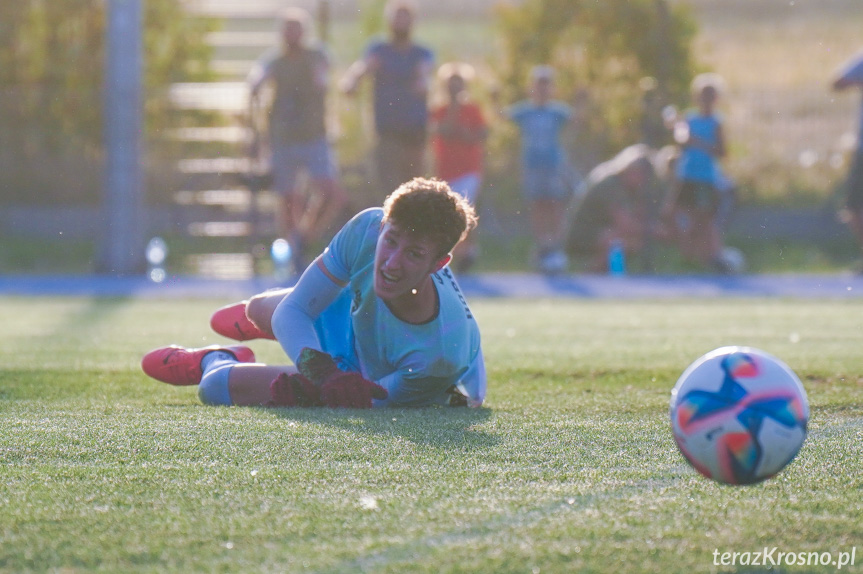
{"points": [[601, 51], [51, 70], [372, 17]]}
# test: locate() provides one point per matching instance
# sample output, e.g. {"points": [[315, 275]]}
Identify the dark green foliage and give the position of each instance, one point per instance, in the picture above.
{"points": [[601, 51]]}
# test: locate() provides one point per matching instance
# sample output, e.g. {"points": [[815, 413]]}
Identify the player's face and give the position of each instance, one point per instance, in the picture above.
{"points": [[292, 33], [402, 262], [543, 89], [402, 22], [455, 86], [707, 98]]}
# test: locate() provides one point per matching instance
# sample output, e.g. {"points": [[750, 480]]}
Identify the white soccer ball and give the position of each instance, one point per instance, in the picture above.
{"points": [[739, 415]]}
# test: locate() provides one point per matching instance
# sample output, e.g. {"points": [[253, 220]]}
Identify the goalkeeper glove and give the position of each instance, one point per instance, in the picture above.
{"points": [[294, 391], [338, 389]]}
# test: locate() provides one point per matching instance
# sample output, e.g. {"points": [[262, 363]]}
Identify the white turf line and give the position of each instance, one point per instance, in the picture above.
{"points": [[496, 526]]}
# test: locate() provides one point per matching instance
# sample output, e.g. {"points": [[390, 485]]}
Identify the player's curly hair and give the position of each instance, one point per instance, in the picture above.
{"points": [[430, 209]]}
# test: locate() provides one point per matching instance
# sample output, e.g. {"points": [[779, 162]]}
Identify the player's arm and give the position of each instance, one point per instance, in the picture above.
{"points": [[367, 65], [569, 125], [323, 281], [850, 76], [500, 110], [423, 75], [294, 317], [718, 149], [337, 388], [410, 390], [322, 71], [319, 382], [842, 83], [259, 75], [473, 383]]}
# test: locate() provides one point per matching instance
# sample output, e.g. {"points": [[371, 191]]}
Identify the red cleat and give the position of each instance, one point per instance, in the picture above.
{"points": [[181, 366], [232, 322]]}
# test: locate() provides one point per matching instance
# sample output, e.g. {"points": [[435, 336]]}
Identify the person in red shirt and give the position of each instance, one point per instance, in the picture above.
{"points": [[458, 132]]}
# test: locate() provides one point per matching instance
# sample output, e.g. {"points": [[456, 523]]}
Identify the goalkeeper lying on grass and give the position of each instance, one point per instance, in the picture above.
{"points": [[376, 320]]}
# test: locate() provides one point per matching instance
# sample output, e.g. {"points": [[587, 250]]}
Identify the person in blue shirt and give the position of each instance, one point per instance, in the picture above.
{"points": [[695, 199], [401, 70], [377, 319], [851, 76], [547, 176]]}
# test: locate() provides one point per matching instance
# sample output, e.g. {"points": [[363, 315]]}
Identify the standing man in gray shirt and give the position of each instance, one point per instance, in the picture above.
{"points": [[298, 75]]}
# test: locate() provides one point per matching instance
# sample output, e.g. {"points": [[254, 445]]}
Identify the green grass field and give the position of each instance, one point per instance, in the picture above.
{"points": [[569, 467]]}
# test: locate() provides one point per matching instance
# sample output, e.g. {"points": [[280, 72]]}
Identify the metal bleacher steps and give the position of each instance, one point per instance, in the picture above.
{"points": [[211, 181], [225, 216]]}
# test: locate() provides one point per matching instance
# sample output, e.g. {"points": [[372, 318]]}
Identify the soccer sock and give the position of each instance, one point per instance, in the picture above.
{"points": [[213, 389], [215, 359]]}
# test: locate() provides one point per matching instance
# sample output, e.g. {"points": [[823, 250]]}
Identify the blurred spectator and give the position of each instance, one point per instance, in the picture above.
{"points": [[695, 199], [547, 175], [652, 125], [851, 76], [459, 131], [298, 75], [401, 71], [620, 205], [665, 162]]}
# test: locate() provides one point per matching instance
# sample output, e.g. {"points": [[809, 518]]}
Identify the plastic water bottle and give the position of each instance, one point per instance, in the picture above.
{"points": [[280, 253], [156, 253], [616, 258]]}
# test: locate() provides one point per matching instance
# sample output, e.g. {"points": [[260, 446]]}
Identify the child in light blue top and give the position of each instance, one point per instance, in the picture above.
{"points": [[696, 198], [697, 161], [540, 126], [547, 176]]}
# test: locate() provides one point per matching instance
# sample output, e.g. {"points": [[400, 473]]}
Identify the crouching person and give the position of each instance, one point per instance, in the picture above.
{"points": [[619, 208]]}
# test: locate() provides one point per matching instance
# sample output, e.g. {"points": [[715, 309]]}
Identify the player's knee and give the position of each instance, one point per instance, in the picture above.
{"points": [[254, 309], [213, 389], [260, 308]]}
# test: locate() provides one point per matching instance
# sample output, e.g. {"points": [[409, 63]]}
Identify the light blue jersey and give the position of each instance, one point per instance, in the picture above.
{"points": [[695, 164], [417, 364], [540, 127]]}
